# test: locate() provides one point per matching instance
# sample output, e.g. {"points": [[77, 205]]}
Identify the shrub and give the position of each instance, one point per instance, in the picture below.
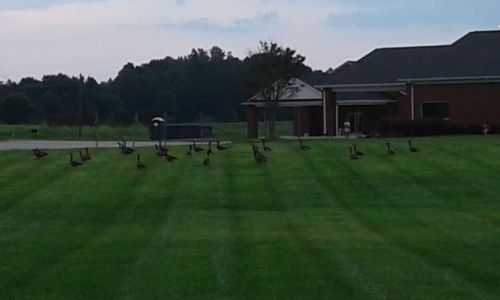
{"points": [[427, 127]]}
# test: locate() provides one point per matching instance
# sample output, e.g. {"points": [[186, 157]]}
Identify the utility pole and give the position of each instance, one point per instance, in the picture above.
{"points": [[165, 126], [80, 107], [96, 128]]}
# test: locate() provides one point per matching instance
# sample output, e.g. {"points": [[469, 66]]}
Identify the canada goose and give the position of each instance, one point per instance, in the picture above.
{"points": [[196, 148], [43, 153], [38, 153], [82, 157], [265, 147], [87, 154], [190, 150], [170, 158], [124, 149], [128, 149], [220, 147], [259, 157], [302, 146], [412, 149], [161, 148], [389, 150], [139, 164], [209, 150], [356, 151], [159, 152], [352, 154], [206, 161], [72, 162]]}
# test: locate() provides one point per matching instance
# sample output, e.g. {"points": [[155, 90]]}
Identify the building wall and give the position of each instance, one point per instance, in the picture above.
{"points": [[370, 116], [468, 103], [308, 121]]}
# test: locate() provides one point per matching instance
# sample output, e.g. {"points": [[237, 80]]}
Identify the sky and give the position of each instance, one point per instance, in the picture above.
{"points": [[97, 37]]}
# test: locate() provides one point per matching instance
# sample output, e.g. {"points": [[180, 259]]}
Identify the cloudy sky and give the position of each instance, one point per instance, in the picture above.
{"points": [[97, 37]]}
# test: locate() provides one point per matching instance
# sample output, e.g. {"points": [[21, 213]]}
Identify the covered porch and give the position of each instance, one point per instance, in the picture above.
{"points": [[361, 106]]}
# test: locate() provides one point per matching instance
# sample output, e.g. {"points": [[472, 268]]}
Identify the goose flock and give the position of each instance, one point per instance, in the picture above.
{"points": [[162, 151]]}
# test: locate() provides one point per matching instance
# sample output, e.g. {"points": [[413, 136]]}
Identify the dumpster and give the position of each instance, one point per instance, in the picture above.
{"points": [[158, 131]]}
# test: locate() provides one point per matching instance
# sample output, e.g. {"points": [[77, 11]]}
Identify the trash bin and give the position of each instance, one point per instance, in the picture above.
{"points": [[157, 129]]}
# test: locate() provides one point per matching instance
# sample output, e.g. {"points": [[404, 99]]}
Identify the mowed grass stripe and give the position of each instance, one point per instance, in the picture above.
{"points": [[331, 271], [29, 175], [136, 225], [464, 260], [70, 215], [359, 190], [177, 262]]}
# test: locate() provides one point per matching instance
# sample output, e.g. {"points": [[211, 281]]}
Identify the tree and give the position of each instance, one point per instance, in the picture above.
{"points": [[16, 108], [270, 70], [217, 54]]}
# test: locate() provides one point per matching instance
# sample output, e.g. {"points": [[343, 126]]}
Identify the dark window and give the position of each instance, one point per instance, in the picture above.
{"points": [[439, 111]]}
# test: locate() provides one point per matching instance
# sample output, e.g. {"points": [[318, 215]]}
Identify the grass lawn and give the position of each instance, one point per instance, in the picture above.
{"points": [[226, 131], [307, 225]]}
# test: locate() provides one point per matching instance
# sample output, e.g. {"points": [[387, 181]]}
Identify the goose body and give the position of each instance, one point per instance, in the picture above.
{"points": [[161, 148], [259, 157], [139, 165], [82, 157], [303, 147], [87, 154], [352, 154], [38, 153], [206, 161], [220, 147], [389, 150], [170, 158], [411, 148], [356, 151], [73, 162], [159, 152], [196, 148], [265, 147], [124, 149], [209, 151]]}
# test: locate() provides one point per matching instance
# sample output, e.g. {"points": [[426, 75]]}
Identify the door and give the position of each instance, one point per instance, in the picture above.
{"points": [[356, 120]]}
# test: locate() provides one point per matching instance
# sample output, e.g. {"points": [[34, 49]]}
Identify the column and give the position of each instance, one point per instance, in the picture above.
{"points": [[330, 112], [252, 122]]}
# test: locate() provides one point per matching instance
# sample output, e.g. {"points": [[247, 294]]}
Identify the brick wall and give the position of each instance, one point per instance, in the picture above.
{"points": [[468, 103]]}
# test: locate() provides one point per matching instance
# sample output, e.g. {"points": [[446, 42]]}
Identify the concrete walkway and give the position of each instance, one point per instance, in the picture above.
{"points": [[47, 144]]}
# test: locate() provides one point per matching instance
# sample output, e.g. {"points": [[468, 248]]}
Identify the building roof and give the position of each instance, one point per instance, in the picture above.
{"points": [[296, 91], [477, 54]]}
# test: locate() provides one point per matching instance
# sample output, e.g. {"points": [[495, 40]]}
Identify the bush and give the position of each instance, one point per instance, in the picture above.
{"points": [[398, 127]]}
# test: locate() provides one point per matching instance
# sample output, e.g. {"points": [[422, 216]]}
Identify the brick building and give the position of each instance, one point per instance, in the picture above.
{"points": [[459, 83]]}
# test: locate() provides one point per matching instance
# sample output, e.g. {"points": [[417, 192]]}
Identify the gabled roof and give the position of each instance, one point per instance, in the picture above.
{"points": [[304, 94], [296, 90], [477, 54]]}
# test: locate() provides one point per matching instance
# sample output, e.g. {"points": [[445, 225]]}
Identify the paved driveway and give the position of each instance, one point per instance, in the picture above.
{"points": [[46, 144]]}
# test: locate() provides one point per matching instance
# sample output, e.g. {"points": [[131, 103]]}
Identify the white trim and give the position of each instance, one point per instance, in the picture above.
{"points": [[315, 103], [325, 132], [367, 102], [451, 80], [337, 120], [372, 87], [364, 102], [412, 102]]}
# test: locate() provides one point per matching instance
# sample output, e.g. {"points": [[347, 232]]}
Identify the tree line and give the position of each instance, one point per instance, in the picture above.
{"points": [[206, 85]]}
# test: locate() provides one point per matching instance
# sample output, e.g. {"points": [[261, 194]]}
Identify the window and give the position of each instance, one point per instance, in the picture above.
{"points": [[439, 111]]}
